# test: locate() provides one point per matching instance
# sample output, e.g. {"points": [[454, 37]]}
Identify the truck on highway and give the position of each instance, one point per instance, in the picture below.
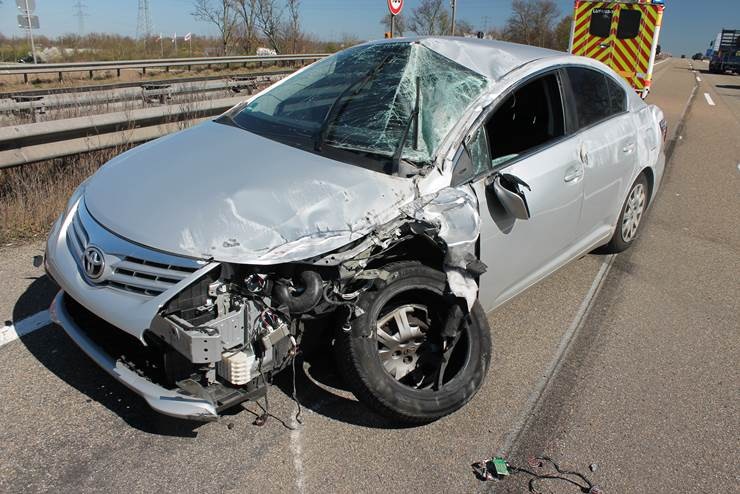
{"points": [[725, 52], [623, 35]]}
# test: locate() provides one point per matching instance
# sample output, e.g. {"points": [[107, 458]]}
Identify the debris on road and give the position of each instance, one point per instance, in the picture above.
{"points": [[497, 468]]}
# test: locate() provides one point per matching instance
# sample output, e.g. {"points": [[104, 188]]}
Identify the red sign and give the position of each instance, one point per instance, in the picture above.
{"points": [[395, 6]]}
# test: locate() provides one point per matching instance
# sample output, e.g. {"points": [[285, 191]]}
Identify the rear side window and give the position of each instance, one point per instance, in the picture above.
{"points": [[601, 22], [617, 96], [629, 24], [591, 95]]}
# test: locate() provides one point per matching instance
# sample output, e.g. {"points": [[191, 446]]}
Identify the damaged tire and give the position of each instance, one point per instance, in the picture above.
{"points": [[395, 357]]}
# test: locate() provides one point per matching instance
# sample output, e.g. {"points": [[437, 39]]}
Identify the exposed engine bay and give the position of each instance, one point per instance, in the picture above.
{"points": [[229, 332]]}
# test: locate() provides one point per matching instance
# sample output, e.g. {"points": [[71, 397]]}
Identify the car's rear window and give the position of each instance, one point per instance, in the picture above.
{"points": [[601, 22], [629, 24]]}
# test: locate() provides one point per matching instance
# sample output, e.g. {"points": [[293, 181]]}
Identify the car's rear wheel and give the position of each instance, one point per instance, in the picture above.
{"points": [[630, 218], [395, 358]]}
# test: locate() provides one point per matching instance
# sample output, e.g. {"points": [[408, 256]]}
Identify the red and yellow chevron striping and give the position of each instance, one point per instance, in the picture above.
{"points": [[622, 35]]}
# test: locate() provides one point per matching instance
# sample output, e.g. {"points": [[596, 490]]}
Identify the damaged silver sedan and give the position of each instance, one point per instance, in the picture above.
{"points": [[383, 199]]}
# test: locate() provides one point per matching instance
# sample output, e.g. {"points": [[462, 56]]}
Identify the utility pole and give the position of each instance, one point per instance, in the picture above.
{"points": [[144, 20], [80, 14], [454, 9]]}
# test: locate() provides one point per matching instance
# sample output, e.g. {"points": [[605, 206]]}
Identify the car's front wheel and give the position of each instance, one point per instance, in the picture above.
{"points": [[397, 359], [630, 218]]}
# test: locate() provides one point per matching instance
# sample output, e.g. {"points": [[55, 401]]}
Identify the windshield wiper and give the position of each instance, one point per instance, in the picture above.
{"points": [[413, 118], [335, 110]]}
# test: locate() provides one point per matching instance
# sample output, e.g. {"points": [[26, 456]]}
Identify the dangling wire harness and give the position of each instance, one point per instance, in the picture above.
{"points": [[497, 469]]}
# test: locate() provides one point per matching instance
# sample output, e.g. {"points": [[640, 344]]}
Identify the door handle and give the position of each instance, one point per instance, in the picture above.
{"points": [[628, 148], [573, 173]]}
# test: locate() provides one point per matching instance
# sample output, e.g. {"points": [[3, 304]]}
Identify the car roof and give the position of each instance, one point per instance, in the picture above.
{"points": [[490, 58]]}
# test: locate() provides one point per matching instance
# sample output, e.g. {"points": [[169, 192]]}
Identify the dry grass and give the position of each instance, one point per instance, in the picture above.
{"points": [[33, 196]]}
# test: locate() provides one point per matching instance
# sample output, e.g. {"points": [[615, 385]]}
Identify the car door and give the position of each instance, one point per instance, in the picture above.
{"points": [[607, 141], [525, 136]]}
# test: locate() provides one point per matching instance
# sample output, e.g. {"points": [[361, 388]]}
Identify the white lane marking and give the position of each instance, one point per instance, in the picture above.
{"points": [[296, 449], [664, 60], [557, 362], [24, 327], [698, 79], [709, 99], [738, 167]]}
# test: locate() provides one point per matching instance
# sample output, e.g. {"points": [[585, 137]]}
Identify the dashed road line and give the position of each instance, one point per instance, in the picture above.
{"points": [[698, 79], [24, 327], [709, 99]]}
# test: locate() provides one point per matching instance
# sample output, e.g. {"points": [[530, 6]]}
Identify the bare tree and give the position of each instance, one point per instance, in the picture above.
{"points": [[219, 13], [400, 27], [269, 20], [430, 17], [463, 27], [246, 11], [532, 22], [294, 24]]}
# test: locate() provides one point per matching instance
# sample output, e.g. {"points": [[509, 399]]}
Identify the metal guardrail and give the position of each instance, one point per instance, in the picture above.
{"points": [[161, 91], [49, 68], [30, 143]]}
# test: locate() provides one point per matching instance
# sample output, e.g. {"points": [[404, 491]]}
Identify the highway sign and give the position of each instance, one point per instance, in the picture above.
{"points": [[29, 5], [395, 6], [23, 22]]}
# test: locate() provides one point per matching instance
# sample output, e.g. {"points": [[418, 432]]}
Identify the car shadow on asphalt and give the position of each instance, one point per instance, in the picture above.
{"points": [[320, 388], [59, 354]]}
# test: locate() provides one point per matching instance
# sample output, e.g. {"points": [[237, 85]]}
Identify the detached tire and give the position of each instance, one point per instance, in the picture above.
{"points": [[390, 358], [630, 218]]}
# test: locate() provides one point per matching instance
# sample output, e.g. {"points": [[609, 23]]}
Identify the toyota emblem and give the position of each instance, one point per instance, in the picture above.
{"points": [[93, 262]]}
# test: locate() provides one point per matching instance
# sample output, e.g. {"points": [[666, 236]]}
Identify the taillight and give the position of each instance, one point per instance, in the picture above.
{"points": [[664, 129]]}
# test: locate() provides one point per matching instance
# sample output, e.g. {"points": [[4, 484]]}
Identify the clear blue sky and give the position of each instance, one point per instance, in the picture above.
{"points": [[688, 25]]}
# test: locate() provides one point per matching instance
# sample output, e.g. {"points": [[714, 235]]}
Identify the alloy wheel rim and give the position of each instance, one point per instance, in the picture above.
{"points": [[633, 212], [401, 334]]}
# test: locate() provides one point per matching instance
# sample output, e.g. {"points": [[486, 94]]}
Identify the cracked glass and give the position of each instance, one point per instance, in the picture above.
{"points": [[359, 105]]}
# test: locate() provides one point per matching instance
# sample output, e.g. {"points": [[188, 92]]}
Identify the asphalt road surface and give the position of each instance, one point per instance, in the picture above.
{"points": [[626, 362]]}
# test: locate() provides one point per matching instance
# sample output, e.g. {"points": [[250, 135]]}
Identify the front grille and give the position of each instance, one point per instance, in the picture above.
{"points": [[146, 272], [146, 277]]}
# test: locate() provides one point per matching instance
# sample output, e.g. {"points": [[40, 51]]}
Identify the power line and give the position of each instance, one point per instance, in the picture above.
{"points": [[80, 13], [144, 21]]}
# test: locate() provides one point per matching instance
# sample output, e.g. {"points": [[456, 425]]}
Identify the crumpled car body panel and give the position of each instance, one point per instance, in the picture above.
{"points": [[234, 196]]}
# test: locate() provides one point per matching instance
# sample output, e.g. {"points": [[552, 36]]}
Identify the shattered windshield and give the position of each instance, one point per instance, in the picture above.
{"points": [[359, 105]]}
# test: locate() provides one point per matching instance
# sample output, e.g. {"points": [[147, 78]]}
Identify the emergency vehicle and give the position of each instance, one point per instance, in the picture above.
{"points": [[623, 35]]}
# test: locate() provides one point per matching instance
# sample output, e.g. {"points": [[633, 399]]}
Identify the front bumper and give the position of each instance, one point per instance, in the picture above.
{"points": [[169, 402]]}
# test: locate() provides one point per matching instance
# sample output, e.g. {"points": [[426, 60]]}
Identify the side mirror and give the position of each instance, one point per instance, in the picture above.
{"points": [[508, 190]]}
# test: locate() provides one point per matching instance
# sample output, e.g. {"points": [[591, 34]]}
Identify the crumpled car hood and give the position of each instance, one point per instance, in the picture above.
{"points": [[216, 191]]}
